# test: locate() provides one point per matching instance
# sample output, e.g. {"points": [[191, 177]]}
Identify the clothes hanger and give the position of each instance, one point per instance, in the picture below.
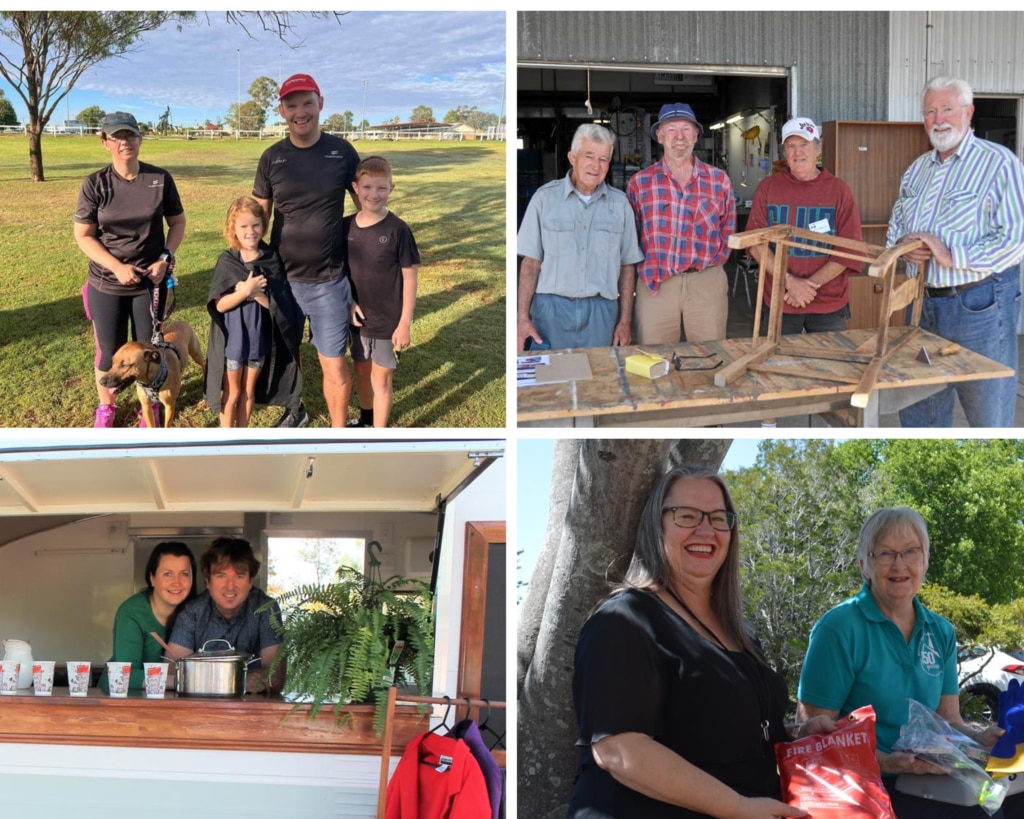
{"points": [[444, 719]]}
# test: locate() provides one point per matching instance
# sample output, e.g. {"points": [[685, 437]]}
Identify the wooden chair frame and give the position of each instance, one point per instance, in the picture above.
{"points": [[881, 264]]}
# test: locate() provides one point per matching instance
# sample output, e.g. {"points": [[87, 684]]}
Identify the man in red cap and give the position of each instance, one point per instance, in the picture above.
{"points": [[304, 177]]}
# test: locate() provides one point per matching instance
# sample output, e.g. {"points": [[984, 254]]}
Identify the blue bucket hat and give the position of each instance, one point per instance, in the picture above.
{"points": [[675, 110]]}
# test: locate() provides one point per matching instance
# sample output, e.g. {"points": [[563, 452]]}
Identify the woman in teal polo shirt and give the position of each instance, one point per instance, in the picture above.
{"points": [[881, 647]]}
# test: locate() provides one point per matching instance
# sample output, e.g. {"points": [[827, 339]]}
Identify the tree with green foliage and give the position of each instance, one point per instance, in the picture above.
{"points": [[471, 115], [7, 114], [263, 91], [339, 123], [971, 495], [91, 116], [252, 116], [422, 113], [57, 47]]}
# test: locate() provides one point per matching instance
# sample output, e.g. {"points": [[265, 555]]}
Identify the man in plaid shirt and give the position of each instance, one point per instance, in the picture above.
{"points": [[685, 213]]}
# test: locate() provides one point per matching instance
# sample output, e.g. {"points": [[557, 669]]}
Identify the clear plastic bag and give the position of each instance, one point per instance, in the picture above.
{"points": [[928, 736]]}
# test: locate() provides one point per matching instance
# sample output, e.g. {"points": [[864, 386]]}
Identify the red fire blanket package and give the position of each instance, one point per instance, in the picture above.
{"points": [[836, 776]]}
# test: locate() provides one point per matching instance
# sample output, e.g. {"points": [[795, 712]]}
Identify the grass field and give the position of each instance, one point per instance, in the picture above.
{"points": [[451, 194]]}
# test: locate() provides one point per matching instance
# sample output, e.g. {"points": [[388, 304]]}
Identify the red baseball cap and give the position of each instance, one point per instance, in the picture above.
{"points": [[298, 82]]}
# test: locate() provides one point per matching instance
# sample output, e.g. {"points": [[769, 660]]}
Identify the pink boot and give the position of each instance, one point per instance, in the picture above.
{"points": [[104, 416]]}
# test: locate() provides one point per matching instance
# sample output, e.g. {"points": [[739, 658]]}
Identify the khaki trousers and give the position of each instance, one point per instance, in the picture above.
{"points": [[701, 299]]}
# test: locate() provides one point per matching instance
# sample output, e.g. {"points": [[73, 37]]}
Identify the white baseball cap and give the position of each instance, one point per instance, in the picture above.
{"points": [[801, 127]]}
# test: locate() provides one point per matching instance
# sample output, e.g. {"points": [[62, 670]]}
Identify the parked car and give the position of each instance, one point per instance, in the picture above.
{"points": [[984, 673]]}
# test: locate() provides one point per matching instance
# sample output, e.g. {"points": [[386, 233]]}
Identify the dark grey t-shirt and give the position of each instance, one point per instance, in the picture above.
{"points": [[376, 256], [129, 217], [308, 187]]}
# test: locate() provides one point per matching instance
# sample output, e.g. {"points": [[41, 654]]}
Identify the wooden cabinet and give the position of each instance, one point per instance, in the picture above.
{"points": [[871, 157]]}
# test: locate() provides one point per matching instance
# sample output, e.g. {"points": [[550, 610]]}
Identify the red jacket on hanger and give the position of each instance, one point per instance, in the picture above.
{"points": [[437, 778]]}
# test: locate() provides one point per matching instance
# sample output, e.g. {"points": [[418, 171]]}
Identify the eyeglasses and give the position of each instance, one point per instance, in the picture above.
{"points": [[946, 111], [123, 137], [911, 556], [686, 517]]}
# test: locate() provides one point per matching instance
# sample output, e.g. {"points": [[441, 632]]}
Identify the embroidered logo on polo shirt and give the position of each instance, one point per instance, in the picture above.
{"points": [[278, 161], [156, 183], [930, 660], [383, 240]]}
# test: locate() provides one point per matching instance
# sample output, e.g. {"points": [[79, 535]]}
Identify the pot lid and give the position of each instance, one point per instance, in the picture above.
{"points": [[228, 653]]}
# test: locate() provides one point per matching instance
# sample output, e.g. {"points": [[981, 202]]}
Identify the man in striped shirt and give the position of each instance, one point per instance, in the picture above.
{"points": [[685, 213], [965, 200]]}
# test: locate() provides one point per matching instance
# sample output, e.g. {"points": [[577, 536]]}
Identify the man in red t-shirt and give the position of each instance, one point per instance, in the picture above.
{"points": [[817, 295]]}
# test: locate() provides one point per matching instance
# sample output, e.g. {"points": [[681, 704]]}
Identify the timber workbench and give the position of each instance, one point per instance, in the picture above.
{"points": [[690, 397]]}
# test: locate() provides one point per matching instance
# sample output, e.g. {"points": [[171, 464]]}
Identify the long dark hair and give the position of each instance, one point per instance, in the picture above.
{"points": [[649, 568], [174, 548]]}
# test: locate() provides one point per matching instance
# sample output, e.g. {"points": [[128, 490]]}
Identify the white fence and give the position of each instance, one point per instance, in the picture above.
{"points": [[373, 134]]}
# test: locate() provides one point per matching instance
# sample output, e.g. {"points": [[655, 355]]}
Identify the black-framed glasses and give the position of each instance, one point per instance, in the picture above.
{"points": [[911, 556], [686, 517]]}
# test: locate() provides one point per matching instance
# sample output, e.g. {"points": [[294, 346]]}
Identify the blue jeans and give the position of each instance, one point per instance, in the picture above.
{"points": [[564, 322], [984, 319]]}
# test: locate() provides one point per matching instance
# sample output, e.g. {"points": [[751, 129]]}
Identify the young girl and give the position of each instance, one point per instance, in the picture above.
{"points": [[255, 326]]}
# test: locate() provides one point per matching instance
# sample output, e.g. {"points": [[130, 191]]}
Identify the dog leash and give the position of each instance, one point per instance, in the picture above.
{"points": [[163, 300]]}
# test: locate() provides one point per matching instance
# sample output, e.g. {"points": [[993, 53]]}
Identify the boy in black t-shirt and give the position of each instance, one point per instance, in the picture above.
{"points": [[382, 261]]}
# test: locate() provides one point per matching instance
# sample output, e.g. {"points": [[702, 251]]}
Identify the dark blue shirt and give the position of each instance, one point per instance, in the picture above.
{"points": [[247, 631]]}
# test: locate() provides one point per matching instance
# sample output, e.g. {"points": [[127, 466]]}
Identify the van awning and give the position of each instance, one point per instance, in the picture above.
{"points": [[59, 480]]}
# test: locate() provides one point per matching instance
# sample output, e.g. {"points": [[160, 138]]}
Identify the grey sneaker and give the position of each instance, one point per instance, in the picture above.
{"points": [[294, 420]]}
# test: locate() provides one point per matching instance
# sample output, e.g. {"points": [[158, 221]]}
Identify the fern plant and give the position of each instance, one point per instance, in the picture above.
{"points": [[346, 642]]}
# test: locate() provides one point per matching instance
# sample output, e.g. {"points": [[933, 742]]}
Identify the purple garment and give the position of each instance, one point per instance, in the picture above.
{"points": [[467, 731]]}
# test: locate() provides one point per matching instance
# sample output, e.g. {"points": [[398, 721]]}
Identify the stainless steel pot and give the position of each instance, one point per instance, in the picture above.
{"points": [[213, 673]]}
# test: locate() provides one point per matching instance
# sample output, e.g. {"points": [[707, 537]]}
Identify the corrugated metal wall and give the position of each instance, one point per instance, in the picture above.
{"points": [[840, 59], [982, 47]]}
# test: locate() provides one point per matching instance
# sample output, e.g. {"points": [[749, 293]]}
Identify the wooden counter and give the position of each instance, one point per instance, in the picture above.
{"points": [[254, 723]]}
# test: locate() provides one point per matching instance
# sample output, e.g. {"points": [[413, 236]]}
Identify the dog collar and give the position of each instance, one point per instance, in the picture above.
{"points": [[154, 386]]}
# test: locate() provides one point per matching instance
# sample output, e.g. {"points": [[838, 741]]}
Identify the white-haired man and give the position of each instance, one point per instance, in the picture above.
{"points": [[965, 200], [579, 247]]}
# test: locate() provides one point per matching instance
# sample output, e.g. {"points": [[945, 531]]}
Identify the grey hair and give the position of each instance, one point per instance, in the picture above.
{"points": [[649, 568], [593, 132], [898, 519], [962, 87]]}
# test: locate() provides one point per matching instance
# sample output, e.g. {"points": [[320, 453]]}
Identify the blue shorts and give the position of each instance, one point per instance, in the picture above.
{"points": [[328, 306]]}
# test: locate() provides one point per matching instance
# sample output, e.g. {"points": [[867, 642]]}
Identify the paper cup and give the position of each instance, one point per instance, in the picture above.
{"points": [[42, 677], [9, 670], [119, 673], [78, 677], [156, 679]]}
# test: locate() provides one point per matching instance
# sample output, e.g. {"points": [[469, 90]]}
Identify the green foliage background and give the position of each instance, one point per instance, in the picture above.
{"points": [[802, 505]]}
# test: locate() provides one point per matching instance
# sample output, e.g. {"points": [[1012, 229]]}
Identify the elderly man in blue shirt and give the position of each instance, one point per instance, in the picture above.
{"points": [[579, 247], [965, 200]]}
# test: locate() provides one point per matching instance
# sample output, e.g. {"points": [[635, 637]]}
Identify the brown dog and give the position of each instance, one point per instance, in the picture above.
{"points": [[156, 370]]}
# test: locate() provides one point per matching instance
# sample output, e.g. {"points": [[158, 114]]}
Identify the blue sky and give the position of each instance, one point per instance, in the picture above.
{"points": [[534, 460], [438, 59]]}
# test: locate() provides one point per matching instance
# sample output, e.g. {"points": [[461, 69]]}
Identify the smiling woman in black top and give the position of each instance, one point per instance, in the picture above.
{"points": [[119, 226], [678, 710]]}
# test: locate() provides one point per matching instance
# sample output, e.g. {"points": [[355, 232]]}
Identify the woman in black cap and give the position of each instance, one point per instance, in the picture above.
{"points": [[119, 226]]}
